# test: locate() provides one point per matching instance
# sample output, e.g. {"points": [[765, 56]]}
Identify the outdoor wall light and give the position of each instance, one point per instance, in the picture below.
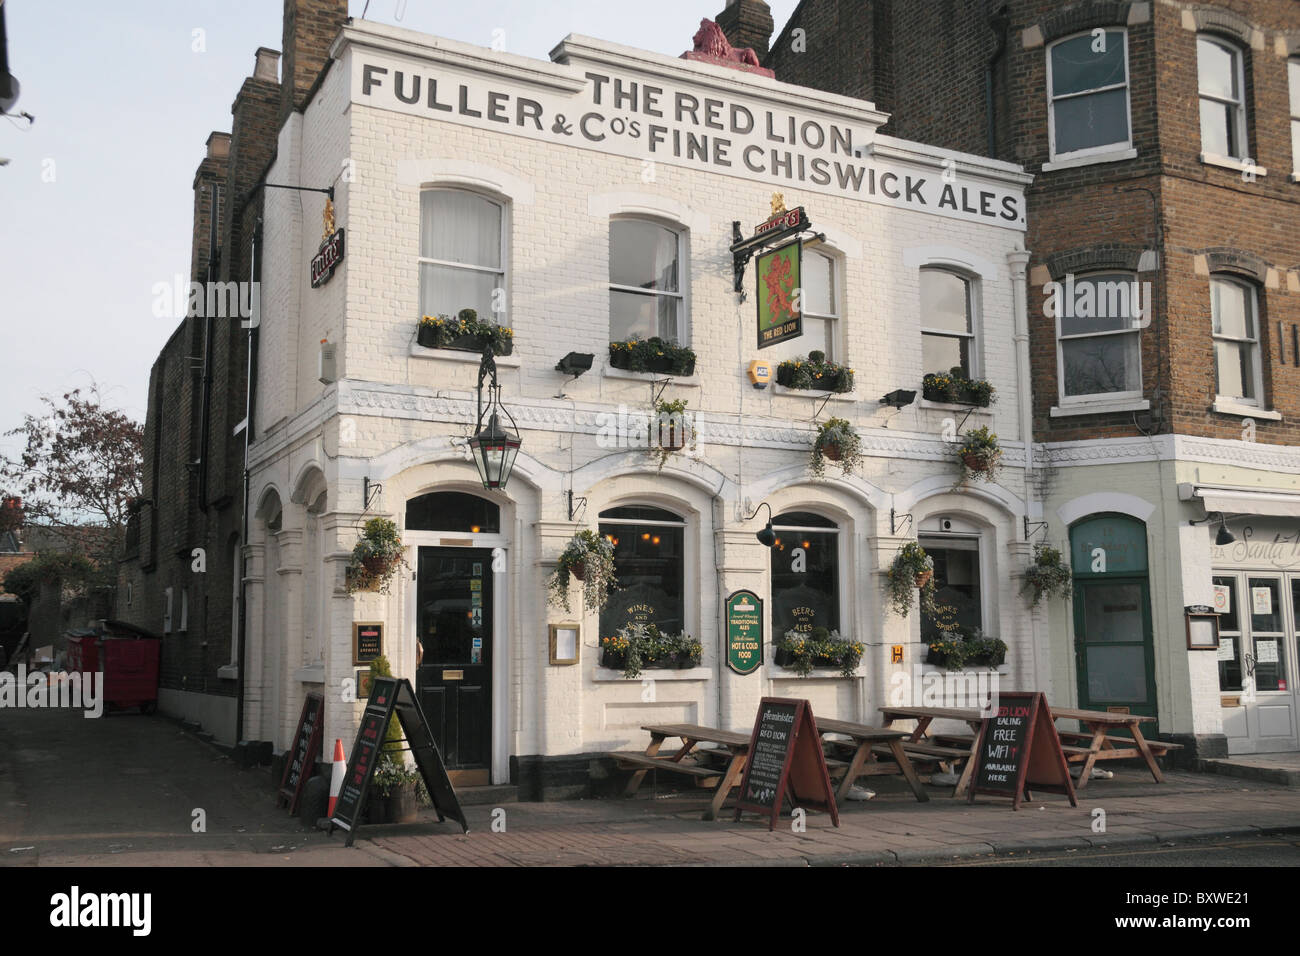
{"points": [[575, 363], [494, 447], [899, 398], [1224, 537], [766, 537]]}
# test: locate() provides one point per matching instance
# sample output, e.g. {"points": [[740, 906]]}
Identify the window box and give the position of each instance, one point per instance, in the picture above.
{"points": [[814, 374], [680, 661], [652, 355], [820, 647], [955, 388], [465, 333]]}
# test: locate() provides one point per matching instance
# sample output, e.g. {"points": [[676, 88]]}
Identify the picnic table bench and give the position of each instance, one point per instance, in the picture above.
{"points": [[867, 744], [937, 747], [1098, 742], [733, 747]]}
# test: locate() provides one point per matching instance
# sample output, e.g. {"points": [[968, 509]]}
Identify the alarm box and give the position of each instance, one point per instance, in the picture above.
{"points": [[760, 373]]}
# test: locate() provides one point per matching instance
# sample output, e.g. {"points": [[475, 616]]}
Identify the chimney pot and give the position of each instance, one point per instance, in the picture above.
{"points": [[268, 65], [218, 145]]}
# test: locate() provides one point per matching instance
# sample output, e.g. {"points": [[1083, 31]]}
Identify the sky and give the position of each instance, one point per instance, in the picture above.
{"points": [[96, 202]]}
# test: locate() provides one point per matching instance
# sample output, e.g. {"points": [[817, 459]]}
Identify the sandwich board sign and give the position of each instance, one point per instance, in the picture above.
{"points": [[1019, 748], [306, 748], [785, 761], [389, 696]]}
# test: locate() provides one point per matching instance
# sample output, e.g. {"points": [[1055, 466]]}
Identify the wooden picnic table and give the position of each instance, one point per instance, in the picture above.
{"points": [[734, 748], [867, 744], [1100, 741], [917, 743]]}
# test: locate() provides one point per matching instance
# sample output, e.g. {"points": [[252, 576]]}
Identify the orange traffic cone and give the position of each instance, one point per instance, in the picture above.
{"points": [[336, 775]]}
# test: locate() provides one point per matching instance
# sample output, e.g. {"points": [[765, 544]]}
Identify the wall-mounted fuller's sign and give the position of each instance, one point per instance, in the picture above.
{"points": [[780, 317], [744, 632], [327, 259]]}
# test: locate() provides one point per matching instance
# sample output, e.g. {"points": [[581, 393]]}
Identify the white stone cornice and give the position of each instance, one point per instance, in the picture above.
{"points": [[1218, 451]]}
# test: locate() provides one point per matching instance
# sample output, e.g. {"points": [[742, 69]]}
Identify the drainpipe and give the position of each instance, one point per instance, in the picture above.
{"points": [[250, 373], [998, 22]]}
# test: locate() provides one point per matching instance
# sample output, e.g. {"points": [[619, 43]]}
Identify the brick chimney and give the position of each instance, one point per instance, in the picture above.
{"points": [[310, 26], [748, 23], [209, 196], [254, 134]]}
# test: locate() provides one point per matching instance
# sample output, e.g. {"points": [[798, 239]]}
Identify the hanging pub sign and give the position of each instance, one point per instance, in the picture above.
{"points": [[744, 632], [327, 259], [780, 316], [1019, 748]]}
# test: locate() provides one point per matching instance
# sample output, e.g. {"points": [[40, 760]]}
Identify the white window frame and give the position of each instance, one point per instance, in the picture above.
{"points": [[1115, 147], [1097, 397], [973, 319], [1293, 64], [683, 276], [842, 582], [1239, 106], [497, 318], [1253, 299], [690, 592]]}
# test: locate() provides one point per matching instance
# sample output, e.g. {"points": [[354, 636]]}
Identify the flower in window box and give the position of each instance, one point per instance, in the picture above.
{"points": [[464, 333], [820, 647], [652, 355]]}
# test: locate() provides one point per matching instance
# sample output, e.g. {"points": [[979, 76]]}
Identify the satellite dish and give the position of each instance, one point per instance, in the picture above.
{"points": [[8, 93]]}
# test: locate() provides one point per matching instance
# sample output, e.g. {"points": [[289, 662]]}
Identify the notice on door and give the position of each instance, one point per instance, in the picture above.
{"points": [[1261, 600], [1222, 599], [1227, 648]]}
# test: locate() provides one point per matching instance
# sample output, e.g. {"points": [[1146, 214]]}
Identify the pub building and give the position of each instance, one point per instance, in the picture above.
{"points": [[586, 201]]}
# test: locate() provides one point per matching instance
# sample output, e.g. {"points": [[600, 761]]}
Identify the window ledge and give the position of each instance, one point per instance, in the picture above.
{"points": [[1228, 162], [777, 672], [228, 672], [1226, 406], [679, 381], [608, 675], [955, 407], [814, 393], [458, 355], [311, 674], [1100, 407], [1112, 157], [1002, 670]]}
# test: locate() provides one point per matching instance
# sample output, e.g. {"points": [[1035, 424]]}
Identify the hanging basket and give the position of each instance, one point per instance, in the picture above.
{"points": [[975, 462], [831, 451], [578, 570], [923, 578], [672, 437]]}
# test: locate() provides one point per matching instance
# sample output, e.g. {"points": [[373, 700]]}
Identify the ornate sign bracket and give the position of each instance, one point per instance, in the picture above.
{"points": [[782, 224]]}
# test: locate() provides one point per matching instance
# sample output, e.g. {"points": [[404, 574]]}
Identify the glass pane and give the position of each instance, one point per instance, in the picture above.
{"points": [[1229, 636], [450, 610], [1122, 540], [944, 302], [957, 591], [818, 285], [1116, 674], [1100, 303], [642, 254], [939, 353], [1085, 63], [643, 512], [1295, 142], [1265, 605], [1229, 619], [1234, 367], [648, 565], [1230, 309], [445, 290], [1218, 131], [802, 519], [1112, 612], [458, 226], [1293, 77], [1097, 119], [1107, 363], [642, 315], [1217, 69], [816, 336], [453, 511], [805, 581]]}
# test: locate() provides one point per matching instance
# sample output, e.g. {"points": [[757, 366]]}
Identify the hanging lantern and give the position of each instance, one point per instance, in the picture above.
{"points": [[493, 446]]}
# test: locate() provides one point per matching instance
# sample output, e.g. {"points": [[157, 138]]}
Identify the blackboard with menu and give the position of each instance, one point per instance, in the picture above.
{"points": [[785, 761], [1019, 748], [306, 748]]}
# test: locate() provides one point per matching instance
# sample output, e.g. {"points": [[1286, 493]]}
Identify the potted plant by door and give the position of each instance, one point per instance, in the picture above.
{"points": [[911, 569], [1049, 575], [376, 557], [836, 441], [588, 558], [980, 453]]}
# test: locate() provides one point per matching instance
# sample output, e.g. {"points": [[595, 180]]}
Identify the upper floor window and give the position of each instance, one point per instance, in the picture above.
{"points": [[645, 282], [947, 323], [1222, 89], [1293, 76], [1087, 79], [1236, 341], [1099, 351], [819, 300], [462, 254]]}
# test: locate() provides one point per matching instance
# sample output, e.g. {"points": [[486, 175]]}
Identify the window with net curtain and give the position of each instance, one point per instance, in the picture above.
{"points": [[1100, 352], [461, 258], [645, 281], [820, 303], [947, 326], [1089, 94], [1236, 340]]}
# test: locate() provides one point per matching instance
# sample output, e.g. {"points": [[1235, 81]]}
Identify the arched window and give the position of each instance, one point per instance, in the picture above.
{"points": [[650, 567], [453, 511], [1098, 327], [805, 573], [1087, 80], [954, 546], [947, 323], [1235, 318], [462, 254], [1222, 85], [645, 282]]}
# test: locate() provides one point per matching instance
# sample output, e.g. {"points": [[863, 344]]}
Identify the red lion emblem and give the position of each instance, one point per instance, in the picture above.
{"points": [[710, 40]]}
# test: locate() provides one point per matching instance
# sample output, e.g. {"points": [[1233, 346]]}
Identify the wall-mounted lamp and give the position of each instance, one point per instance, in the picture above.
{"points": [[899, 398], [575, 363], [1224, 537], [766, 537]]}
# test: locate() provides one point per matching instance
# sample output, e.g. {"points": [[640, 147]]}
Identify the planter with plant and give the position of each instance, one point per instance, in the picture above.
{"points": [[955, 388], [393, 785], [911, 569], [375, 557], [955, 651], [836, 441], [589, 558], [983, 651], [464, 333], [980, 453], [652, 355], [814, 373], [636, 647], [673, 428], [1049, 575], [820, 647], [948, 651]]}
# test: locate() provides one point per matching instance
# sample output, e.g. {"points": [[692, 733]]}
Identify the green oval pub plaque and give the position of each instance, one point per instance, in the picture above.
{"points": [[744, 632]]}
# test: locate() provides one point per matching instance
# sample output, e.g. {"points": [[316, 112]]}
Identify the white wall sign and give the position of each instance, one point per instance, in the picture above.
{"points": [[1261, 600]]}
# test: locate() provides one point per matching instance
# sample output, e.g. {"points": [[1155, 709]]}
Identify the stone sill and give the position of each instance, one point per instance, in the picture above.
{"points": [[311, 674], [777, 672], [1224, 406], [458, 355], [228, 672], [1228, 162], [955, 407], [1072, 162], [607, 675], [1002, 670], [678, 381], [1100, 408], [816, 394]]}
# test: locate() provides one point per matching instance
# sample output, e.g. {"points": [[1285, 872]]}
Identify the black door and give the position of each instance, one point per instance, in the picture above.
{"points": [[453, 622]]}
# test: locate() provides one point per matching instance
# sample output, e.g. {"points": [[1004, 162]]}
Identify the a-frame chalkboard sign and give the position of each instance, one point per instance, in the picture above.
{"points": [[389, 696], [785, 761], [306, 748], [1019, 748]]}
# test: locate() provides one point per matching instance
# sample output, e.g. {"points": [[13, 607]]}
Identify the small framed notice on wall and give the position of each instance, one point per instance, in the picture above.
{"points": [[367, 641], [564, 642], [1202, 632]]}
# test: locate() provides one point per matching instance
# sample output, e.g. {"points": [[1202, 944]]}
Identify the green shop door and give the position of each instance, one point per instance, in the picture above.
{"points": [[1113, 642], [453, 622]]}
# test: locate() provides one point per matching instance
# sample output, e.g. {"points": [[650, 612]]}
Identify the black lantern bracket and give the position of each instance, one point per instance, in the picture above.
{"points": [[896, 523], [493, 447], [743, 248], [1033, 527], [962, 424], [657, 390], [577, 505], [369, 492]]}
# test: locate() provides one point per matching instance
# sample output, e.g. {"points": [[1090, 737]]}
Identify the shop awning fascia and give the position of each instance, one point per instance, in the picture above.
{"points": [[1242, 501]]}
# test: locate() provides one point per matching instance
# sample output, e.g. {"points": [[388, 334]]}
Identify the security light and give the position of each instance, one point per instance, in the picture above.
{"points": [[899, 398], [575, 363]]}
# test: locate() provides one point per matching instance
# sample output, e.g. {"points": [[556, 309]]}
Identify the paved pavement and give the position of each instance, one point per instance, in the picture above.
{"points": [[123, 790]]}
